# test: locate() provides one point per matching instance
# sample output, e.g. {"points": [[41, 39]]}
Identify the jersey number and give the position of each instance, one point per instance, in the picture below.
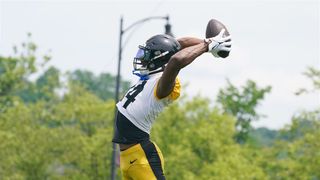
{"points": [[132, 93]]}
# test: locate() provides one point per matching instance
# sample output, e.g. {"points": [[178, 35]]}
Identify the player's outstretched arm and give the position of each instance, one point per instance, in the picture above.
{"points": [[188, 41], [191, 49], [177, 62]]}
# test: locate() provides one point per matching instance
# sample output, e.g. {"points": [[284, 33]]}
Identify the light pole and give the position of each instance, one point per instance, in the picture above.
{"points": [[116, 98]]}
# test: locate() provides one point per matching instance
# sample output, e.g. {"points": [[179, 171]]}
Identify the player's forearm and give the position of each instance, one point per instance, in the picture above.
{"points": [[177, 62], [189, 41], [187, 55]]}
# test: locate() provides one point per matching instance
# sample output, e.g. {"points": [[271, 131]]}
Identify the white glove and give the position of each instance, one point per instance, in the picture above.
{"points": [[219, 43]]}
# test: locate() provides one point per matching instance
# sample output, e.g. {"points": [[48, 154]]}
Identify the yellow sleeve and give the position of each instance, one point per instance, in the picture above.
{"points": [[175, 92]]}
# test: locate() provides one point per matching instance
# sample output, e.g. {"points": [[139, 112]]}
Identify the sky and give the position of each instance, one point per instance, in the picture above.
{"points": [[273, 42]]}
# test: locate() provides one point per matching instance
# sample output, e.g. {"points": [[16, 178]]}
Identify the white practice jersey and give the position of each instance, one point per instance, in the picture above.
{"points": [[141, 105]]}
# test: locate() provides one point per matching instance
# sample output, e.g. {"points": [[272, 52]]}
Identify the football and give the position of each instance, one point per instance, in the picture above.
{"points": [[213, 28]]}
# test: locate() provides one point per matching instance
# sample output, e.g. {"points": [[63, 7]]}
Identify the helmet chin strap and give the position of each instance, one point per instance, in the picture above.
{"points": [[142, 76]]}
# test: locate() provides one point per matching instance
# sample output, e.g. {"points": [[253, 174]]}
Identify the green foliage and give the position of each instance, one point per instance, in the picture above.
{"points": [[301, 124], [314, 75], [197, 142], [298, 157], [70, 139], [296, 154], [15, 72], [263, 137], [47, 136], [44, 88], [102, 86], [242, 104]]}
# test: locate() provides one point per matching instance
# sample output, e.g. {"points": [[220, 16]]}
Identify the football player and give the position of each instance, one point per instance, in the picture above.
{"points": [[157, 63]]}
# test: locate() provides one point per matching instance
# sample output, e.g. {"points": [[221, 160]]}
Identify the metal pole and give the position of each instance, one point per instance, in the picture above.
{"points": [[119, 61], [116, 98]]}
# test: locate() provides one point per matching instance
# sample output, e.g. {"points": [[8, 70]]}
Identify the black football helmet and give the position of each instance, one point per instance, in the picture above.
{"points": [[152, 57]]}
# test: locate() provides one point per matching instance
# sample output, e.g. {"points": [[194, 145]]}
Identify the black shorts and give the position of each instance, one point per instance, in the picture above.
{"points": [[125, 132]]}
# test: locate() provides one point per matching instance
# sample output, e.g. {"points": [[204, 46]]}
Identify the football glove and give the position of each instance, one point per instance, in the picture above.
{"points": [[219, 43]]}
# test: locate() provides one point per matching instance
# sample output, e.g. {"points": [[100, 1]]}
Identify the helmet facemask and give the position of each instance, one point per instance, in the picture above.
{"points": [[148, 61], [140, 61]]}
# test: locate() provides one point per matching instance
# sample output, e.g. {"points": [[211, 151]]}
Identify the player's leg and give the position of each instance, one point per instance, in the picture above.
{"points": [[134, 164], [155, 159], [141, 172], [149, 167], [143, 161], [125, 176], [160, 155], [124, 166]]}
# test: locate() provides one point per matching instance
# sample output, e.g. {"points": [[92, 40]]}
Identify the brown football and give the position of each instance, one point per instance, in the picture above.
{"points": [[213, 28]]}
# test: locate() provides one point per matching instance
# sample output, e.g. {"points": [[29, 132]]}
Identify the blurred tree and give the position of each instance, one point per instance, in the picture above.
{"points": [[102, 85], [263, 137], [242, 104], [314, 75], [67, 140], [304, 121], [43, 88], [197, 143], [296, 154], [297, 157], [15, 73]]}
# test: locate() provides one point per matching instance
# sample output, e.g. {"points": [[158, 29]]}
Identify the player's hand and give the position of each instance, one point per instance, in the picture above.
{"points": [[219, 43]]}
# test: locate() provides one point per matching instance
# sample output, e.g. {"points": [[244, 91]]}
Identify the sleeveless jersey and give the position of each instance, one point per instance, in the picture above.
{"points": [[141, 105]]}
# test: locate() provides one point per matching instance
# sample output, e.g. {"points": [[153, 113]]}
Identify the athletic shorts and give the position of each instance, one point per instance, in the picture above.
{"points": [[143, 161]]}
